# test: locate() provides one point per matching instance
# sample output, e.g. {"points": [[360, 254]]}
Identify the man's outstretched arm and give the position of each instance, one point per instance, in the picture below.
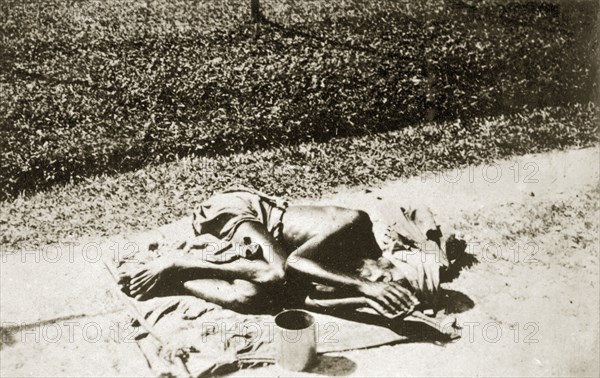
{"points": [[386, 298], [314, 261]]}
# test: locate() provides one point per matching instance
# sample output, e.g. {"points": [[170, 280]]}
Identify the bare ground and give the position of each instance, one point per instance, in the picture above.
{"points": [[529, 308]]}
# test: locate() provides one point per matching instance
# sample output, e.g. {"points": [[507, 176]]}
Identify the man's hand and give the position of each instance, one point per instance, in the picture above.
{"points": [[389, 298]]}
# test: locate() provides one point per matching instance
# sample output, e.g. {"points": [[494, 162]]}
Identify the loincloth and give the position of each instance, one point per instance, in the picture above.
{"points": [[222, 214]]}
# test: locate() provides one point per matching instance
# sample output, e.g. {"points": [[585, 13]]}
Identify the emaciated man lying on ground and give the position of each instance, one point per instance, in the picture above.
{"points": [[321, 257]]}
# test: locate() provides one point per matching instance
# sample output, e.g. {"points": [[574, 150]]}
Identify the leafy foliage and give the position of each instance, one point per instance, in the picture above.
{"points": [[92, 87]]}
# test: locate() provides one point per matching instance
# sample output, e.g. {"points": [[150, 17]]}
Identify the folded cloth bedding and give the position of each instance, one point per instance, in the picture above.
{"points": [[205, 337]]}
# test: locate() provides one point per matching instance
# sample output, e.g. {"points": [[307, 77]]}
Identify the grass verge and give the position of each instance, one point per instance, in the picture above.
{"points": [[108, 204]]}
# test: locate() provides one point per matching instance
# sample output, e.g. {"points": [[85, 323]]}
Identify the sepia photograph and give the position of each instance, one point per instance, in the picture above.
{"points": [[299, 188]]}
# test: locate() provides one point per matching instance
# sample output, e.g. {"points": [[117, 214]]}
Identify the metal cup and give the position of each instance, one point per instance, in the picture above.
{"points": [[295, 338]]}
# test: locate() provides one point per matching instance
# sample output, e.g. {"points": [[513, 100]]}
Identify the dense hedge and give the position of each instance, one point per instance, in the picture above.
{"points": [[91, 86]]}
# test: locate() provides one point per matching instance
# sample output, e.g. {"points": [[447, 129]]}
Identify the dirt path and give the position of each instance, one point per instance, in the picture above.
{"points": [[530, 307]]}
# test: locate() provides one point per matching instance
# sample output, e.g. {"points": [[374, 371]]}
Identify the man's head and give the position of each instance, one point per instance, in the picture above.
{"points": [[380, 270]]}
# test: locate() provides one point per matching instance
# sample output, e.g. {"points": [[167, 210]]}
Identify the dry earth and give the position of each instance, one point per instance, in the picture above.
{"points": [[529, 308]]}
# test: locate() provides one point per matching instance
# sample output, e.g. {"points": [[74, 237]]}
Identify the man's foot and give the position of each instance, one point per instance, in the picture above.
{"points": [[143, 283]]}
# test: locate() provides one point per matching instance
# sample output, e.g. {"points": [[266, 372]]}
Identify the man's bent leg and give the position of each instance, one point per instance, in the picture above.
{"points": [[238, 295]]}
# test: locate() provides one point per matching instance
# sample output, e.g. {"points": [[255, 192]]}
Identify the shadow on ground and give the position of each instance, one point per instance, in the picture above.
{"points": [[333, 366]]}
